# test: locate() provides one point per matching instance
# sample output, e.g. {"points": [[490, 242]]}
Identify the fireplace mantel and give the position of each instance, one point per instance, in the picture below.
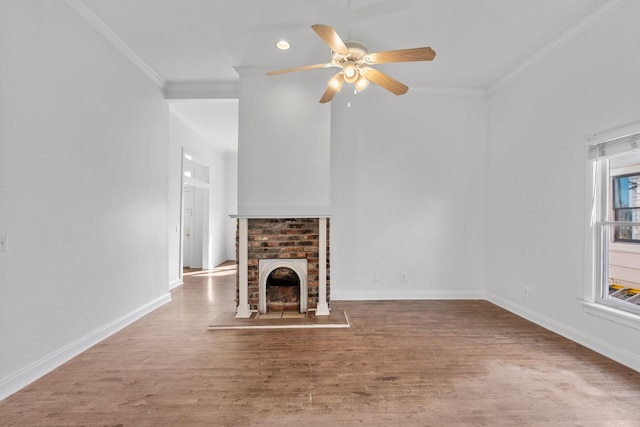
{"points": [[278, 216]]}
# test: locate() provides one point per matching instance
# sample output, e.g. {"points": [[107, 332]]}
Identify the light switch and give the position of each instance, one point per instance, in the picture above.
{"points": [[4, 243]]}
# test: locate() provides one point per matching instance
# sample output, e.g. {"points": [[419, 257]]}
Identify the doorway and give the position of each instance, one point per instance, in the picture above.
{"points": [[194, 250], [187, 228]]}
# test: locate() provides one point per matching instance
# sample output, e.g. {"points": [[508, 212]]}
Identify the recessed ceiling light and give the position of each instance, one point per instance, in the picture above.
{"points": [[283, 44]]}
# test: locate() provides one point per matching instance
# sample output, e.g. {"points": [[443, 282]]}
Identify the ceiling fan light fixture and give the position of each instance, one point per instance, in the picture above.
{"points": [[351, 73], [354, 62], [283, 45], [361, 84], [336, 82]]}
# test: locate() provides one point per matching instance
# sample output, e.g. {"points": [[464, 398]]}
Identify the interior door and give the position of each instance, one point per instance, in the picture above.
{"points": [[187, 246]]}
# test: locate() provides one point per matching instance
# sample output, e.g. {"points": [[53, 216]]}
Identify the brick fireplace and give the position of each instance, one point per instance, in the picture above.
{"points": [[296, 248]]}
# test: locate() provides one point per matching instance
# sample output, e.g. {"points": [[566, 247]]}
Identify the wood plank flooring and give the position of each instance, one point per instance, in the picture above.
{"points": [[404, 363]]}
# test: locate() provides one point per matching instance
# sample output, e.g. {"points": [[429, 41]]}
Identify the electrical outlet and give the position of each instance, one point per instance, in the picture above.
{"points": [[403, 276], [525, 291], [4, 243], [378, 276]]}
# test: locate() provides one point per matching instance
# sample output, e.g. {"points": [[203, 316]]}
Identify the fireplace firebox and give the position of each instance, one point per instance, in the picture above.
{"points": [[282, 290]]}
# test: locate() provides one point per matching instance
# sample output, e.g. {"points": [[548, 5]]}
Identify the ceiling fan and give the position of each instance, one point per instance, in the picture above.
{"points": [[354, 60]]}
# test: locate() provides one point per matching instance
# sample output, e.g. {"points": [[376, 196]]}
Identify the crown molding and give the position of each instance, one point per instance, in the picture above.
{"points": [[99, 25], [229, 89], [223, 89], [557, 43]]}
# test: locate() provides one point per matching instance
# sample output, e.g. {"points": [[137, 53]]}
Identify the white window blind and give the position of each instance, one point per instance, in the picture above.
{"points": [[613, 147]]}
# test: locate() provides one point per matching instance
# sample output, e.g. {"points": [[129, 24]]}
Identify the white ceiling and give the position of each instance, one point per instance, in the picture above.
{"points": [[478, 43]]}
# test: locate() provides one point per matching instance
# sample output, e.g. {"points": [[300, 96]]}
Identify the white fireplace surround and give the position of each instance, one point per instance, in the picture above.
{"points": [[243, 310], [266, 266]]}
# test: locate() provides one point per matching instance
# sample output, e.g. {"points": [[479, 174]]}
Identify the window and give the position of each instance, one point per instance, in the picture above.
{"points": [[617, 223], [626, 206]]}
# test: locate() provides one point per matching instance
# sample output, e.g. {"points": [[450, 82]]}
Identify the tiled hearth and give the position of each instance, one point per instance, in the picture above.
{"points": [[298, 245]]}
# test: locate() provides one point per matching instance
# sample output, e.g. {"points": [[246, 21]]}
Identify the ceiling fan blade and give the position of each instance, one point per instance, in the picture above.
{"points": [[334, 86], [304, 67], [331, 38], [383, 80], [403, 55]]}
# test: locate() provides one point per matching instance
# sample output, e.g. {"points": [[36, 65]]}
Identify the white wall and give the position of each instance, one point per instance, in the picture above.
{"points": [[283, 143], [408, 179], [232, 202], [218, 240], [83, 189], [537, 186], [405, 178]]}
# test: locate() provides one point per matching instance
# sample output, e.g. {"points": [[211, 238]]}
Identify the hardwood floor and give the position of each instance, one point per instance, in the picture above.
{"points": [[424, 363]]}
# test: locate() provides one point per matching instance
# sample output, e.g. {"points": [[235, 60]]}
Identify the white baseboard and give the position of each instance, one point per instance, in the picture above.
{"points": [[612, 352], [218, 262], [175, 283], [368, 295], [25, 376]]}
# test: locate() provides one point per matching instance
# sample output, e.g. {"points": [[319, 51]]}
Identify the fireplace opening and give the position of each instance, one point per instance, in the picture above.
{"points": [[283, 290], [288, 283]]}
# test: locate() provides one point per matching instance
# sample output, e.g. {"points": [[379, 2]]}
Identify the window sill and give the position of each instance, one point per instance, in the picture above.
{"points": [[628, 247], [615, 315]]}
